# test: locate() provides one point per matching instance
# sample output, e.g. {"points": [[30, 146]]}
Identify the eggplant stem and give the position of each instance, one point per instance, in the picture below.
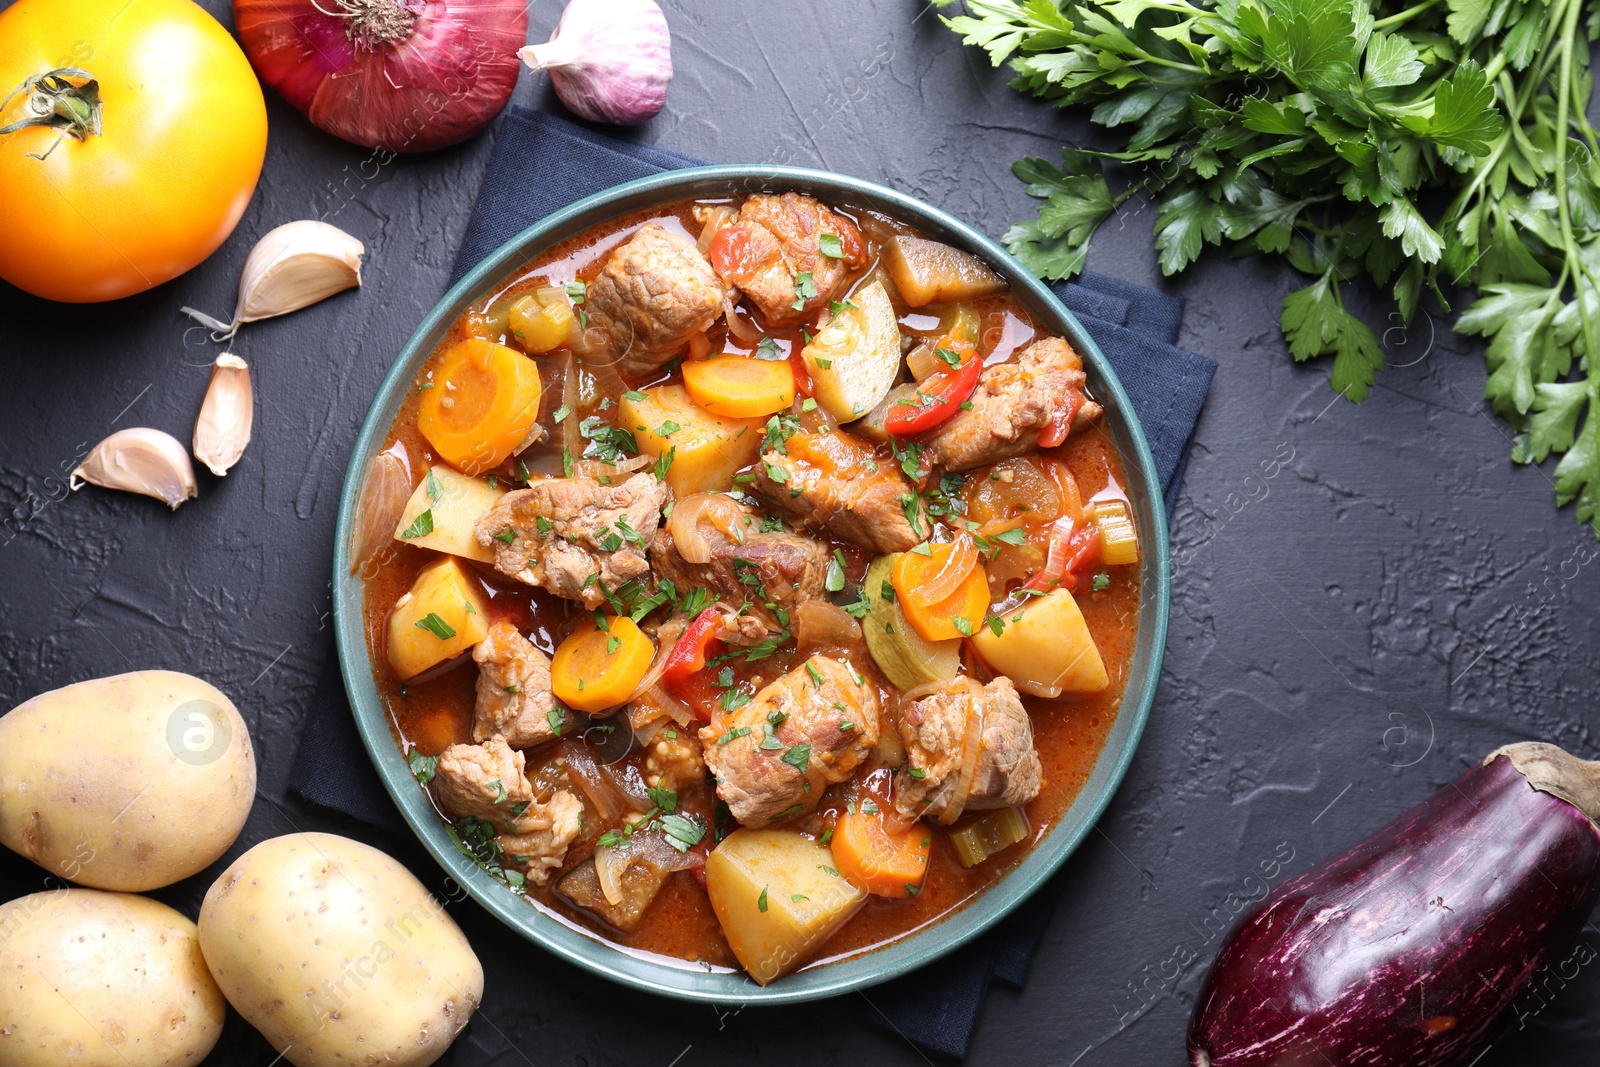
{"points": [[1556, 771]]}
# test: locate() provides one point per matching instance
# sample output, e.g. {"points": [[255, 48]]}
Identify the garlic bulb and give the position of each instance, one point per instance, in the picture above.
{"points": [[223, 427], [292, 267], [610, 60], [139, 460]]}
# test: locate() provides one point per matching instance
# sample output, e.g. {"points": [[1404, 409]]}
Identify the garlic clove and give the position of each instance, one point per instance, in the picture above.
{"points": [[222, 430], [292, 267], [609, 60], [139, 460]]}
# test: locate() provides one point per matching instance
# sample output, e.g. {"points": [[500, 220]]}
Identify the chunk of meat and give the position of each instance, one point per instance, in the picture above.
{"points": [[540, 845], [811, 728], [765, 574], [490, 782], [775, 241], [654, 293], [937, 730], [573, 536], [832, 481], [514, 699], [1015, 405], [741, 630]]}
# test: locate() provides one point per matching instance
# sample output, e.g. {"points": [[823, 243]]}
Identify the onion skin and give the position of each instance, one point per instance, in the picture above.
{"points": [[439, 86], [1409, 948]]}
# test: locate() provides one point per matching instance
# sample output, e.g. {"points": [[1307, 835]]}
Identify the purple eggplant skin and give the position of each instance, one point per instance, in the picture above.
{"points": [[1408, 949]]}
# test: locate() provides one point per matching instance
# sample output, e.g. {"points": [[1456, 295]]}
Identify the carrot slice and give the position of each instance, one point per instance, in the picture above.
{"points": [[482, 404], [884, 862], [600, 664], [958, 614], [740, 387]]}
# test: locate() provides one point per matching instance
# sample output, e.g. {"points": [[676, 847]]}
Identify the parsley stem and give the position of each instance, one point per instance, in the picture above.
{"points": [[1569, 30], [1403, 16]]}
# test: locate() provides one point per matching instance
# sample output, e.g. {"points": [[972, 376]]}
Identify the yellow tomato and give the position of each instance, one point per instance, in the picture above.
{"points": [[182, 135]]}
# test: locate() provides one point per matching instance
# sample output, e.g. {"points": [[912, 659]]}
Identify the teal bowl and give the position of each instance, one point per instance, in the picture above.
{"points": [[675, 978]]}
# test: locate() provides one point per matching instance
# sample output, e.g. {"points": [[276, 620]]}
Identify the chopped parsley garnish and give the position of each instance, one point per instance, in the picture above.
{"points": [[860, 607], [682, 832], [724, 678], [918, 773], [566, 461], [834, 580], [767, 348], [422, 525], [836, 306], [506, 537], [825, 364], [607, 442], [733, 699], [562, 412], [816, 675], [761, 901], [924, 549], [733, 735], [635, 396], [780, 428], [886, 590], [808, 404], [668, 428], [1014, 536], [663, 463], [610, 839], [947, 357], [431, 486], [962, 624], [911, 504], [798, 757], [966, 405], [665, 799], [556, 717], [1101, 580], [792, 809], [423, 768], [775, 472], [830, 870], [436, 626], [830, 245], [770, 742], [997, 624], [576, 291], [913, 889], [804, 289], [543, 525], [614, 643], [500, 793]]}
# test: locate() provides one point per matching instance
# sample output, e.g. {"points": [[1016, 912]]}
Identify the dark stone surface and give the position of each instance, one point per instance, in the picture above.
{"points": [[1367, 598]]}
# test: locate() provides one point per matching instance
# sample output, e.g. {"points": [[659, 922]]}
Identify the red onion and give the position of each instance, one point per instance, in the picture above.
{"points": [[401, 75]]}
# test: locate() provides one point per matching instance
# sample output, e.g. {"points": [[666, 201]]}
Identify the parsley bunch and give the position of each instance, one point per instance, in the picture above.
{"points": [[1426, 145]]}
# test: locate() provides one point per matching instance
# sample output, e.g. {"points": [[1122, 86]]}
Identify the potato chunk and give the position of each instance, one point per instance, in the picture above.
{"points": [[443, 615], [707, 448], [1049, 651], [442, 511], [778, 896]]}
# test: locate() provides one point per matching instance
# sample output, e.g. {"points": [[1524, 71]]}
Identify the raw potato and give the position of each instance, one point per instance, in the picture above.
{"points": [[92, 979], [778, 896], [337, 954], [926, 271], [130, 782], [453, 502], [1049, 652], [708, 448], [855, 358], [445, 591]]}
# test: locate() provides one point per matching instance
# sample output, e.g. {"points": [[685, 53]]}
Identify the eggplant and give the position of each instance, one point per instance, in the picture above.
{"points": [[1410, 948]]}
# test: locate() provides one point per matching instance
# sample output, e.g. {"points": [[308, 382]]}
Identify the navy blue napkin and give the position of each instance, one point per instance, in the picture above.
{"points": [[542, 163]]}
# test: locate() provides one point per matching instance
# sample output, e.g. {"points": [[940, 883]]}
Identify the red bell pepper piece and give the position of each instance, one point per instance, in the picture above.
{"points": [[938, 399], [1073, 550], [698, 644], [1061, 416]]}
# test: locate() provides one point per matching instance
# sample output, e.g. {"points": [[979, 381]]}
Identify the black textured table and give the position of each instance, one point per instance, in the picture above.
{"points": [[1366, 599]]}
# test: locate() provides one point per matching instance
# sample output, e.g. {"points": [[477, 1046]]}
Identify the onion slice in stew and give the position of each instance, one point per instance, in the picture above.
{"points": [[666, 636], [958, 563], [647, 848], [702, 521], [819, 624], [971, 743]]}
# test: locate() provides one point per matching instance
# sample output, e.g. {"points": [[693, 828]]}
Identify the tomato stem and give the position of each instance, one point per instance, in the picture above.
{"points": [[54, 101]]}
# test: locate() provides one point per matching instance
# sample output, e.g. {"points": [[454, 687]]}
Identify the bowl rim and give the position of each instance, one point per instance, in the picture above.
{"points": [[682, 979]]}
